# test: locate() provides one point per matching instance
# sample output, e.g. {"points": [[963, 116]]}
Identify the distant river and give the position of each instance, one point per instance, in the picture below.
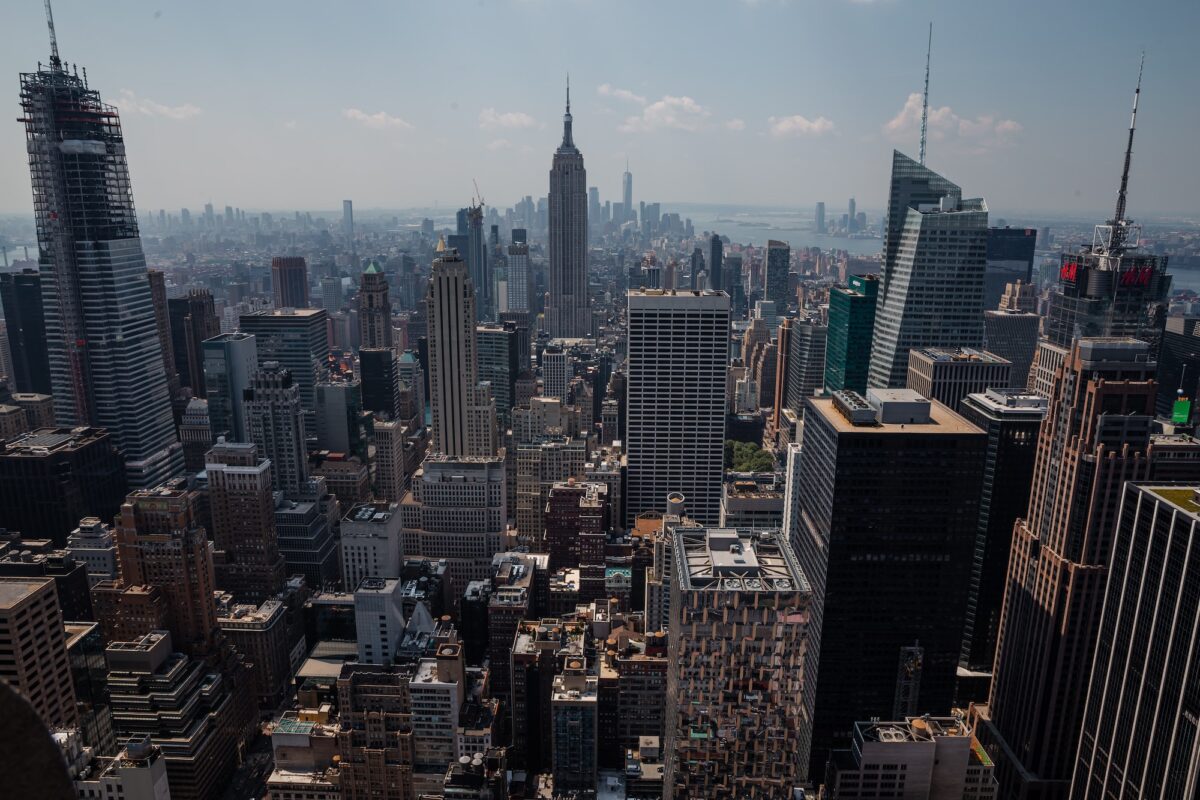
{"points": [[751, 225]]}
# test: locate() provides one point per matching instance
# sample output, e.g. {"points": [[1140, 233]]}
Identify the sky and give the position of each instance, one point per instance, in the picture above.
{"points": [[298, 104]]}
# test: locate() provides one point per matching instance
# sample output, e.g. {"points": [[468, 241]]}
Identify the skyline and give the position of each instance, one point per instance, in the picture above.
{"points": [[1000, 120]]}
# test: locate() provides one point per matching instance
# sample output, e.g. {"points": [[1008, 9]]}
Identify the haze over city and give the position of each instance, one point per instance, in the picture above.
{"points": [[282, 105]]}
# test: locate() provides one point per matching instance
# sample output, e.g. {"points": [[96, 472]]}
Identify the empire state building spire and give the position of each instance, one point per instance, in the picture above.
{"points": [[567, 143]]}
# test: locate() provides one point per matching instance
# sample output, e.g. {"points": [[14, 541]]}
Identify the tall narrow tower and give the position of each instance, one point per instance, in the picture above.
{"points": [[627, 192], [374, 309], [464, 415], [567, 310], [106, 367]]}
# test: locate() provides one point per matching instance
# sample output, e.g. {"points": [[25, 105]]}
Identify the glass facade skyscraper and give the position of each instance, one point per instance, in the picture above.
{"points": [[106, 364], [851, 326]]}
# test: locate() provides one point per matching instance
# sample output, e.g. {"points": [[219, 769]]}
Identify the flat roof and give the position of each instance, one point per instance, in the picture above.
{"points": [[942, 421], [14, 590], [1182, 497], [736, 559]]}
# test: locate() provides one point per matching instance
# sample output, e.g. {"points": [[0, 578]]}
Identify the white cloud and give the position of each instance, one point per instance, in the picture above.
{"points": [[290, 124], [498, 144], [977, 135], [380, 120], [490, 119], [681, 113], [735, 124], [130, 103], [608, 90], [797, 125]]}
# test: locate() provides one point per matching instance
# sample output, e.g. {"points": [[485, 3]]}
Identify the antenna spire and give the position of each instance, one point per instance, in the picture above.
{"points": [[1119, 216], [55, 61], [925, 97], [568, 88], [567, 140]]}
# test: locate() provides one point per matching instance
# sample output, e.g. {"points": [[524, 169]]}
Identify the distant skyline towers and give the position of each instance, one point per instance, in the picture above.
{"points": [[675, 437], [778, 262], [627, 192], [105, 357], [716, 262], [934, 257], [820, 217], [374, 309], [567, 311], [348, 221], [459, 404], [289, 281]]}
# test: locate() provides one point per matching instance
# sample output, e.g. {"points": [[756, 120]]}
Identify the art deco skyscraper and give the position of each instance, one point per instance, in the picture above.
{"points": [[567, 314], [934, 257], [678, 356], [374, 310], [1096, 435], [464, 415], [275, 422], [105, 356]]}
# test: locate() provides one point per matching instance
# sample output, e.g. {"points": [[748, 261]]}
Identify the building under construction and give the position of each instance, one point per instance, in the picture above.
{"points": [[104, 351]]}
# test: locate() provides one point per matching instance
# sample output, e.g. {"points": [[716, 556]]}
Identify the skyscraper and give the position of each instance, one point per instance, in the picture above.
{"points": [[242, 503], [460, 405], [299, 340], [104, 353], [1009, 259], [230, 361], [476, 256], [1139, 726], [820, 217], [289, 280], [716, 263], [934, 256], [518, 277], [374, 309], [348, 221], [1096, 435], [852, 216], [948, 375], [275, 423], [499, 362], [740, 617], [887, 492], [193, 319], [21, 296], [851, 328], [1011, 419], [805, 361], [626, 194], [777, 265], [567, 313], [678, 354], [35, 662]]}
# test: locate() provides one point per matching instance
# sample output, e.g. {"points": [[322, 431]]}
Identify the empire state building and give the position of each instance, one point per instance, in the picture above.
{"points": [[567, 314]]}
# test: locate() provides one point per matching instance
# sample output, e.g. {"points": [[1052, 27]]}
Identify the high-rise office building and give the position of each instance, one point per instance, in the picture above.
{"points": [[519, 278], [289, 280], [1178, 364], [193, 319], [499, 363], [339, 416], [1139, 724], [162, 324], [1009, 259], [851, 328], [380, 381], [626, 194], [463, 413], [948, 375], [567, 311], [104, 352], [161, 543], [887, 492], [476, 256], [778, 261], [331, 294], [35, 662], [557, 371], [805, 373], [1012, 335], [52, 478], [740, 616], [304, 524], [716, 264], [1096, 435], [575, 717], [934, 257], [348, 221], [391, 473], [242, 504], [852, 216], [298, 339], [457, 509], [1011, 419], [819, 217], [21, 296], [374, 309], [230, 361], [195, 434], [275, 423], [675, 433]]}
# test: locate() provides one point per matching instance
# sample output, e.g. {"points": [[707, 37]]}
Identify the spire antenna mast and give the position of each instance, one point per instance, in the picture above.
{"points": [[1120, 213], [925, 97], [55, 61]]}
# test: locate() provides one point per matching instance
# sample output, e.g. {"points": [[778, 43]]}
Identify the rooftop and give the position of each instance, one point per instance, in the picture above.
{"points": [[14, 590], [942, 420], [912, 729], [736, 559], [1185, 498], [960, 354]]}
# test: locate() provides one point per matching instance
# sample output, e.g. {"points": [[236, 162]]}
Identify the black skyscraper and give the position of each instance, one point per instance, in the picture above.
{"points": [[21, 295]]}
